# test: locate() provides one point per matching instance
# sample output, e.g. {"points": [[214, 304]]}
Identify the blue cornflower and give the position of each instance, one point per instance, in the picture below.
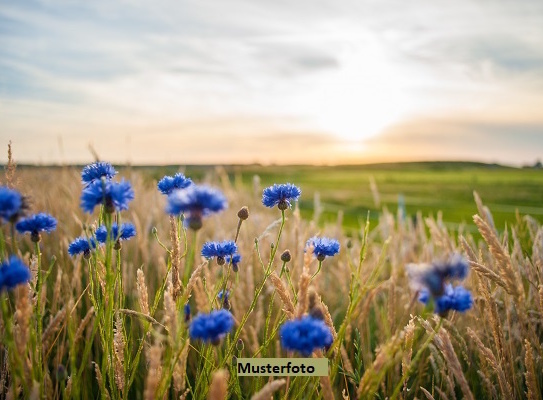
{"points": [[433, 277], [35, 224], [127, 231], [196, 202], [323, 247], [12, 204], [219, 249], [170, 183], [235, 260], [97, 171], [115, 196], [280, 195], [82, 245], [13, 272], [186, 312], [457, 298], [305, 335], [211, 327]]}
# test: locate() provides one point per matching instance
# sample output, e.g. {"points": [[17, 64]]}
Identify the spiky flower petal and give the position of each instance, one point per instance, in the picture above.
{"points": [[170, 183], [280, 195]]}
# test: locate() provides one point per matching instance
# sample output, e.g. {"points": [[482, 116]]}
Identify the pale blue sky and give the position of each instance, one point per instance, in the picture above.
{"points": [[321, 81]]}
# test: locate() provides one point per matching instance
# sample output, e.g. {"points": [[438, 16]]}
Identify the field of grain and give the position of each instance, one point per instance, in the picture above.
{"points": [[115, 326]]}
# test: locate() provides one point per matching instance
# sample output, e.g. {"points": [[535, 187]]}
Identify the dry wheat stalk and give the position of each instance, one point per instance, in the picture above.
{"points": [[154, 373], [443, 342], [83, 324], [170, 312], [100, 380], [269, 389], [283, 294], [427, 393], [194, 277], [218, 390], [143, 297], [386, 356], [488, 356], [118, 352], [49, 332], [175, 258], [530, 375], [22, 317], [303, 285], [180, 369], [509, 275]]}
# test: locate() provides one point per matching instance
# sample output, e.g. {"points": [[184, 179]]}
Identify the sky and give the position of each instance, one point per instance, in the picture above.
{"points": [[271, 81]]}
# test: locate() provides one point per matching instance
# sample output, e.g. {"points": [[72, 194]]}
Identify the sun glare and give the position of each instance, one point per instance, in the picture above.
{"points": [[363, 97]]}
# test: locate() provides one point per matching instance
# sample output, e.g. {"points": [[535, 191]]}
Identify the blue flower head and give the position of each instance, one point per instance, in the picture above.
{"points": [[12, 204], [13, 272], [82, 245], [114, 196], [97, 171], [235, 260], [280, 195], [196, 202], [305, 335], [433, 277], [323, 247], [186, 312], [211, 327], [219, 249], [457, 298], [35, 224], [170, 183], [126, 232]]}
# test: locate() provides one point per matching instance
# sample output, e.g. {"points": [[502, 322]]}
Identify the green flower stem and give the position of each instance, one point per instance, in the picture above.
{"points": [[39, 317], [316, 272], [415, 360], [267, 273]]}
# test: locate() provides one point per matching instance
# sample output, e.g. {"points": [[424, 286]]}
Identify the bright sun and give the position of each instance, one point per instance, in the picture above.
{"points": [[365, 95]]}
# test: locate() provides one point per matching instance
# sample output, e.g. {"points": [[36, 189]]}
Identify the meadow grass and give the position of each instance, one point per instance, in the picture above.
{"points": [[114, 325]]}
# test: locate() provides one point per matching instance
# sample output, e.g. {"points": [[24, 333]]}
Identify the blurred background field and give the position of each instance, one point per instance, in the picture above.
{"points": [[427, 187], [353, 190]]}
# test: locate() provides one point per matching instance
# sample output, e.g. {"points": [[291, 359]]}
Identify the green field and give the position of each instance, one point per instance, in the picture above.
{"points": [[426, 187]]}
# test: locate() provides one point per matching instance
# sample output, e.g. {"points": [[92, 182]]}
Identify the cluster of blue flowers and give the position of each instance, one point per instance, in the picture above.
{"points": [[432, 282], [99, 189], [305, 335], [454, 298], [14, 271], [221, 250], [125, 232], [211, 327]]}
